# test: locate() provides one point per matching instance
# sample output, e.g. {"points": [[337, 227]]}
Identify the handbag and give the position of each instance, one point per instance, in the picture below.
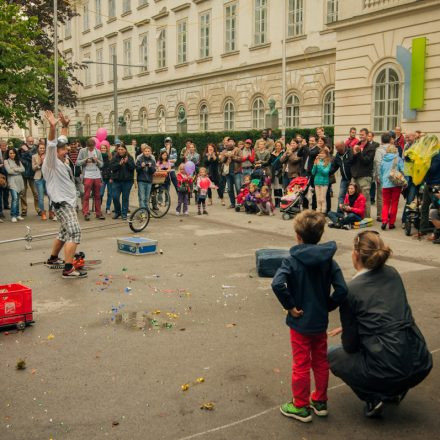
{"points": [[3, 181], [396, 177]]}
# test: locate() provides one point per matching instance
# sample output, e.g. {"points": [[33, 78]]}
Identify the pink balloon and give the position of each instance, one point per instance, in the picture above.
{"points": [[97, 143], [101, 134]]}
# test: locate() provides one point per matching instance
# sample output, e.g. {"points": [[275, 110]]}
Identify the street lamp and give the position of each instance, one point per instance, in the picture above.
{"points": [[115, 84], [283, 99]]}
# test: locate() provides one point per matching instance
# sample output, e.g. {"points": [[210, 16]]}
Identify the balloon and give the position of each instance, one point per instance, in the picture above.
{"points": [[190, 168], [97, 143], [101, 134], [106, 143]]}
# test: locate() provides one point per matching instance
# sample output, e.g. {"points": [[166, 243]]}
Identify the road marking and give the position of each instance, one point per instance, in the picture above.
{"points": [[262, 413]]}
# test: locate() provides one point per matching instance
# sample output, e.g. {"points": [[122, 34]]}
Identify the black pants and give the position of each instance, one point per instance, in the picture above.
{"points": [[251, 207], [4, 194]]}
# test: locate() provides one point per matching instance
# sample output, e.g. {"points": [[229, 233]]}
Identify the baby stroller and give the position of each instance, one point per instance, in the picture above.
{"points": [[292, 202]]}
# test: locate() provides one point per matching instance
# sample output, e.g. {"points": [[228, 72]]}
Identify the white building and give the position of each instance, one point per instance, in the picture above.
{"points": [[222, 61]]}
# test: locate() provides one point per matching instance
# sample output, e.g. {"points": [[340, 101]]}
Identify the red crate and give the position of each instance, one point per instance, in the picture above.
{"points": [[15, 305]]}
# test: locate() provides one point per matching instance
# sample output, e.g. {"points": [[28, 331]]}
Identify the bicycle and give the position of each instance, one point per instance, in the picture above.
{"points": [[160, 200]]}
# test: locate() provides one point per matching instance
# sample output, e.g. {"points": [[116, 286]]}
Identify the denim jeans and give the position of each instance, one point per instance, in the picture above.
{"points": [[342, 192], [349, 219], [144, 191], [230, 180], [124, 188], [109, 185], [41, 190], [247, 171], [173, 178], [14, 203], [238, 180]]}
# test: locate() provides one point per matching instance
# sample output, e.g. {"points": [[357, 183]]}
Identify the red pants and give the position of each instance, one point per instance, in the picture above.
{"points": [[309, 352], [96, 185], [390, 203]]}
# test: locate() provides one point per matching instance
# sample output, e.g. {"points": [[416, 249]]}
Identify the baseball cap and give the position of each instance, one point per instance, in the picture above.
{"points": [[248, 141], [62, 141], [168, 139]]}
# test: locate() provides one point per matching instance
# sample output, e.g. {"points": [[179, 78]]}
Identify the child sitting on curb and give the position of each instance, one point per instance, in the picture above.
{"points": [[264, 202], [250, 203], [303, 285]]}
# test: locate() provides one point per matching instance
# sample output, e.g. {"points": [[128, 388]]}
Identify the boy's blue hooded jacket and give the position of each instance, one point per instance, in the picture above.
{"points": [[304, 281]]}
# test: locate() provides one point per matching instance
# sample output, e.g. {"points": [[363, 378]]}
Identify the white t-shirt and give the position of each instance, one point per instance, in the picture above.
{"points": [[91, 170], [58, 176]]}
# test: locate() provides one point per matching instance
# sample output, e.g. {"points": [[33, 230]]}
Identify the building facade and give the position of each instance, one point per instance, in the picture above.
{"points": [[349, 63]]}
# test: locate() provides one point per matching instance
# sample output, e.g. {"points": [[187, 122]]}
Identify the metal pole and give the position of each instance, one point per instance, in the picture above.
{"points": [[55, 43], [283, 98], [115, 94]]}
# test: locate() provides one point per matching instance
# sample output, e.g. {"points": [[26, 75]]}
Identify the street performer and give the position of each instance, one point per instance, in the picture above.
{"points": [[60, 184]]}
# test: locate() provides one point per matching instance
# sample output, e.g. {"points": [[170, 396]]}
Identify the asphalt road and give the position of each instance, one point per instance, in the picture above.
{"points": [[97, 368]]}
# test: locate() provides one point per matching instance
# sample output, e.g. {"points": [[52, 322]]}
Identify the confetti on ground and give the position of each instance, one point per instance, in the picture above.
{"points": [[184, 387], [127, 289], [208, 406], [230, 325], [124, 269], [225, 286], [200, 380], [172, 315], [50, 337], [156, 312], [21, 364]]}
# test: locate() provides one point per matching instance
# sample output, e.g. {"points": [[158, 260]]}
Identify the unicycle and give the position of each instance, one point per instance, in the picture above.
{"points": [[160, 201], [139, 220]]}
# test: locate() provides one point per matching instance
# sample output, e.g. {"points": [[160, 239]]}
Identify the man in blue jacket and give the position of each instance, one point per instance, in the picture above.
{"points": [[303, 286]]}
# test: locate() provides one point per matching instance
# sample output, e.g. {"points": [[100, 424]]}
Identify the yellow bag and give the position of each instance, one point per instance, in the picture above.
{"points": [[421, 154]]}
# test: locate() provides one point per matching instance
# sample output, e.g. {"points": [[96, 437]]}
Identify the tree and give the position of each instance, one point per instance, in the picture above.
{"points": [[43, 10], [23, 68]]}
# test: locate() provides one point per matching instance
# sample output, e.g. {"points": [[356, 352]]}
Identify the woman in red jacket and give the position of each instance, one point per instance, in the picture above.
{"points": [[352, 210]]}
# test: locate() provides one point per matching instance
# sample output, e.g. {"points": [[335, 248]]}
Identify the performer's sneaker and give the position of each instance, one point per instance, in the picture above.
{"points": [[302, 414], [74, 273], [56, 263], [319, 408], [373, 409]]}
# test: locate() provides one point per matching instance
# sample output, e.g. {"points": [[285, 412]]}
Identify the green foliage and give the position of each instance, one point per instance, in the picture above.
{"points": [[201, 139], [22, 67]]}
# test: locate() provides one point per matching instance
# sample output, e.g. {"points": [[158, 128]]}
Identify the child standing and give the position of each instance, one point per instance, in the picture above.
{"points": [[321, 172], [264, 202], [203, 184], [183, 190], [302, 285]]}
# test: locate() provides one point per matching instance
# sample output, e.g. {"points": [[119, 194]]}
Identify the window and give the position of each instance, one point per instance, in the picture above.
{"points": [[182, 38], [161, 120], [111, 121], [127, 120], [99, 70], [260, 14], [329, 108], [162, 49], [68, 28], [127, 57], [88, 71], [143, 119], [111, 8], [258, 114], [86, 24], [332, 10], [203, 117], [205, 34], [386, 100], [295, 18], [126, 6], [111, 54], [231, 27], [98, 16], [229, 115], [292, 111], [143, 52], [99, 120], [88, 125]]}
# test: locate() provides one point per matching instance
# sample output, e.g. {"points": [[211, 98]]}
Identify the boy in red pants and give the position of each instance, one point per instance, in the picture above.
{"points": [[303, 285]]}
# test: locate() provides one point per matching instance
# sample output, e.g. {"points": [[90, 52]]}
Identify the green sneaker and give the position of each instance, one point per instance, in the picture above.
{"points": [[302, 414], [319, 408]]}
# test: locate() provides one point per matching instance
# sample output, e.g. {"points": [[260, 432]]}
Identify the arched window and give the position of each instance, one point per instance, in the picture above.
{"points": [[386, 100], [292, 111], [161, 120], [229, 115], [111, 121], [203, 117], [99, 120], [143, 120], [127, 120], [328, 111], [258, 114], [88, 125]]}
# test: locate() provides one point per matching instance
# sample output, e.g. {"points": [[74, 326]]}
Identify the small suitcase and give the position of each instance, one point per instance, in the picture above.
{"points": [[15, 306], [269, 260], [137, 246]]}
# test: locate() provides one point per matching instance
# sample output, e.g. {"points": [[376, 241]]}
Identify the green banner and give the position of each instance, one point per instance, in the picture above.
{"points": [[418, 73]]}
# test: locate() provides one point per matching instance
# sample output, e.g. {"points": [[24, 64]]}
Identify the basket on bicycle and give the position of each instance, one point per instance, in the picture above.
{"points": [[159, 177]]}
